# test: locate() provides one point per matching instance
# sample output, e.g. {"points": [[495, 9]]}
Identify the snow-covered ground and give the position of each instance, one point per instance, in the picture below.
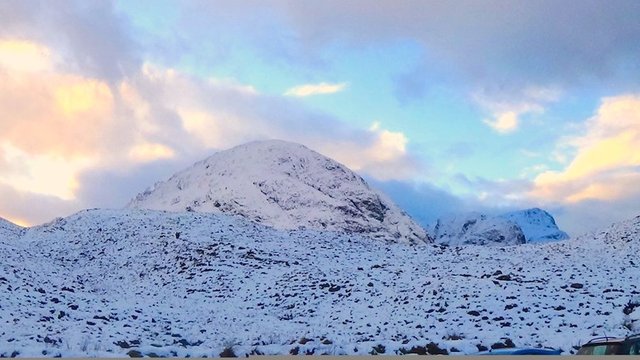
{"points": [[113, 282], [9, 230]]}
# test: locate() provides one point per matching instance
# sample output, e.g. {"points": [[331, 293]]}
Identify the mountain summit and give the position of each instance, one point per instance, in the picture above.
{"points": [[537, 225], [517, 227], [284, 185], [477, 229]]}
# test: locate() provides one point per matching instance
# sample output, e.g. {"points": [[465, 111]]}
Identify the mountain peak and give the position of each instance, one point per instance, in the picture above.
{"points": [[476, 229], [537, 225], [284, 185]]}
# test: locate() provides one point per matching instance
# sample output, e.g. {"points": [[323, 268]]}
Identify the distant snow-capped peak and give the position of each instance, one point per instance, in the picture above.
{"points": [[517, 227], [537, 225], [284, 185], [476, 229]]}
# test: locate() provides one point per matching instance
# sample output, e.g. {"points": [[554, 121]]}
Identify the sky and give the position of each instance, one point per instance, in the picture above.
{"points": [[446, 106]]}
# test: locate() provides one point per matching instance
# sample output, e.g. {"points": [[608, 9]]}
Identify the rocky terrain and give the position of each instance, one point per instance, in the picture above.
{"points": [[141, 282], [286, 186]]}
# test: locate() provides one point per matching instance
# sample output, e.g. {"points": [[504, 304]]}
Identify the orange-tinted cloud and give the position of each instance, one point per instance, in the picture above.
{"points": [[607, 162], [56, 124]]}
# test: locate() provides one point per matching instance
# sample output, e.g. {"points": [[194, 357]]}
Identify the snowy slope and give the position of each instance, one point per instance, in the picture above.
{"points": [[111, 282], [537, 225], [476, 229], [284, 185], [9, 230]]}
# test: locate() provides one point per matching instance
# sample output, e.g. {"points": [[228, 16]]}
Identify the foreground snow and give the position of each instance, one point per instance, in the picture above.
{"points": [[108, 282]]}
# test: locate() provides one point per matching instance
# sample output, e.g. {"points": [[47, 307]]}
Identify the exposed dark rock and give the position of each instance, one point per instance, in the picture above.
{"points": [[434, 349]]}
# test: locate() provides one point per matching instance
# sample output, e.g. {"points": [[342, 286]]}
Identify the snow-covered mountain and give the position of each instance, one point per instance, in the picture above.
{"points": [[140, 282], [537, 225], [512, 228], [286, 186], [476, 229], [9, 230]]}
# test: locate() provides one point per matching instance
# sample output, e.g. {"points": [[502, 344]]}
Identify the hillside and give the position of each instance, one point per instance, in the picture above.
{"points": [[9, 230], [113, 282], [286, 186]]}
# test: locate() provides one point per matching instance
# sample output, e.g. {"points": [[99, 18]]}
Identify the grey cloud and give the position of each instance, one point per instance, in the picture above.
{"points": [[94, 37], [34, 208], [498, 44], [593, 215], [424, 202], [113, 188]]}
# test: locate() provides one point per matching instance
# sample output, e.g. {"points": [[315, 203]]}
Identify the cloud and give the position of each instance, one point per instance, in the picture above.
{"points": [[495, 45], [424, 202], [598, 183], [495, 41], [49, 174], [507, 109], [24, 56], [93, 37], [315, 89], [218, 116], [505, 122], [146, 152], [604, 166], [27, 208], [383, 156], [592, 215]]}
